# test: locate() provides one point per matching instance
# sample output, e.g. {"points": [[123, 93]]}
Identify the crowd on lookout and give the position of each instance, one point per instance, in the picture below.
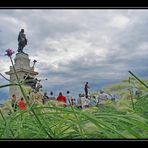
{"points": [[84, 100]]}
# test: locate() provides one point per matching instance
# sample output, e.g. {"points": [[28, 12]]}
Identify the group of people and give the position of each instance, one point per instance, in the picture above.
{"points": [[18, 104], [84, 100]]}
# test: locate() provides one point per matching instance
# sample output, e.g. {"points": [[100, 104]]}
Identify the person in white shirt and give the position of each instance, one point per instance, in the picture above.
{"points": [[102, 97], [79, 101], [83, 101], [68, 99]]}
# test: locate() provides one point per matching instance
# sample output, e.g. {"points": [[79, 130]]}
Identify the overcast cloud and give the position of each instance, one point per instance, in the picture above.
{"points": [[75, 45]]}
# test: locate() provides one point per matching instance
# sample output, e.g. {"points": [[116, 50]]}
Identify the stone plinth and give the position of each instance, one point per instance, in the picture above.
{"points": [[22, 66]]}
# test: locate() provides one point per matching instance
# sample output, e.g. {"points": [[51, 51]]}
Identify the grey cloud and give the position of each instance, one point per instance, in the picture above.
{"points": [[118, 48]]}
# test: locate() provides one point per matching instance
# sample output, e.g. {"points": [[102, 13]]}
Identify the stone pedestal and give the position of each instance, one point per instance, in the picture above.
{"points": [[22, 66]]}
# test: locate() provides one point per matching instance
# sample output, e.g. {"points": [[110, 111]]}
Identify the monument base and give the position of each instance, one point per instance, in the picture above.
{"points": [[23, 68]]}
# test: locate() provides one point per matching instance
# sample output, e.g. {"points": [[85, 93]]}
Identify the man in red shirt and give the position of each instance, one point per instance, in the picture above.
{"points": [[61, 98], [21, 104]]}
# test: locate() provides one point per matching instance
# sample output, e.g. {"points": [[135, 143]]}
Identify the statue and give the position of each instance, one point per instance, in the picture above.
{"points": [[22, 41]]}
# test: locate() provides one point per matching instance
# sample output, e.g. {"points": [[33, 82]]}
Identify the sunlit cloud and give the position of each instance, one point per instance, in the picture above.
{"points": [[120, 21]]}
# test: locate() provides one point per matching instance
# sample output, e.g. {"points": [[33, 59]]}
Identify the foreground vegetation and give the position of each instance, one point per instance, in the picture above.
{"points": [[112, 120], [126, 118]]}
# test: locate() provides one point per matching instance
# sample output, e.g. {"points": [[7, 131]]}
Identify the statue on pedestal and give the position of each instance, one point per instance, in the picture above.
{"points": [[22, 41]]}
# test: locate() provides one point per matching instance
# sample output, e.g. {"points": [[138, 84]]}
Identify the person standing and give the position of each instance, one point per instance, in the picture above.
{"points": [[51, 96], [14, 103], [61, 99], [45, 98], [83, 101], [86, 87], [79, 103], [21, 104], [68, 99], [102, 97]]}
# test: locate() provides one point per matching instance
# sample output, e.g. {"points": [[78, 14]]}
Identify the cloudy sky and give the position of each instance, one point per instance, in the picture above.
{"points": [[73, 46]]}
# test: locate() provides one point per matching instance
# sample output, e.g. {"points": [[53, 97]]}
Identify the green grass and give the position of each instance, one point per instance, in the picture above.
{"points": [[104, 122]]}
